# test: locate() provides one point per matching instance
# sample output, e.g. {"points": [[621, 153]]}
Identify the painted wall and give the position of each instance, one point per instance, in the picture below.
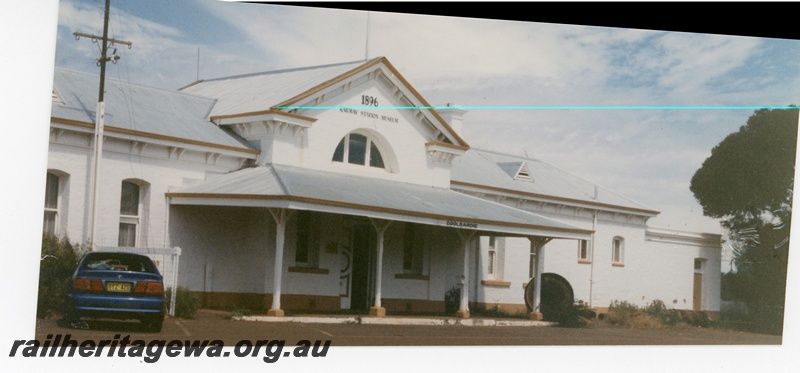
{"points": [[653, 269], [151, 165], [399, 135], [231, 249]]}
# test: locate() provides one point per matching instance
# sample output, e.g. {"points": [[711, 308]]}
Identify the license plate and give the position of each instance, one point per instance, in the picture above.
{"points": [[123, 287]]}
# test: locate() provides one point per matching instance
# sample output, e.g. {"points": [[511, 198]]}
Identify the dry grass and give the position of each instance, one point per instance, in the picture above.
{"points": [[644, 321]]}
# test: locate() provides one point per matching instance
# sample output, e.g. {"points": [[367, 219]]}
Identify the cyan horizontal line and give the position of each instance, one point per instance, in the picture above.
{"points": [[550, 107]]}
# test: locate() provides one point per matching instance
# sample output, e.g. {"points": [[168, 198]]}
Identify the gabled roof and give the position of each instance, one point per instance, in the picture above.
{"points": [[137, 109], [495, 172], [268, 91], [262, 91], [304, 189]]}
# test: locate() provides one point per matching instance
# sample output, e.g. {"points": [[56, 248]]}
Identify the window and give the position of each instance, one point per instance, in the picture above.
{"points": [[618, 251], [495, 257], [532, 263], [698, 265], [412, 250], [130, 208], [51, 204], [358, 149], [492, 269], [307, 244], [583, 251]]}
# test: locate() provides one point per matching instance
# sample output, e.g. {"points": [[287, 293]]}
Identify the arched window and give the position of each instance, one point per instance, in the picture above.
{"points": [[618, 251], [358, 149], [51, 197]]}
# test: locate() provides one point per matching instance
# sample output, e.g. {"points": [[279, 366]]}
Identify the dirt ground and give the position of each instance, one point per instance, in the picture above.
{"points": [[214, 325]]}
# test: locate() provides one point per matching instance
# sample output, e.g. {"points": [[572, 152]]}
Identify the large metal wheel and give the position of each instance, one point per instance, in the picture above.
{"points": [[556, 292]]}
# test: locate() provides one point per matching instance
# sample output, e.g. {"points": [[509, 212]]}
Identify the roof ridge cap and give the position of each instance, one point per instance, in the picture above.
{"points": [[129, 83], [240, 76]]}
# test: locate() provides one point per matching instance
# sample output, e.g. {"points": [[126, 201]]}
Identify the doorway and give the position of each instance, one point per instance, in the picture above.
{"points": [[697, 286], [362, 284]]}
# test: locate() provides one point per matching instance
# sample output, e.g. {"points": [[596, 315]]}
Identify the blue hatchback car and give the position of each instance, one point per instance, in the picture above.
{"points": [[118, 286]]}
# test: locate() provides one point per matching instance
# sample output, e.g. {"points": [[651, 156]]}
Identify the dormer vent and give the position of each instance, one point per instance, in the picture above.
{"points": [[523, 174], [517, 170]]}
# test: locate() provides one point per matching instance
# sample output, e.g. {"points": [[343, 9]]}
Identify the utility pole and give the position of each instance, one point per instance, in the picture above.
{"points": [[99, 118]]}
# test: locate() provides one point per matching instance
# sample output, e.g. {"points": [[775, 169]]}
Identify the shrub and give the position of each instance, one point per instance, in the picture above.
{"points": [[57, 264], [644, 321], [695, 318], [452, 299], [664, 315], [186, 303], [621, 312]]}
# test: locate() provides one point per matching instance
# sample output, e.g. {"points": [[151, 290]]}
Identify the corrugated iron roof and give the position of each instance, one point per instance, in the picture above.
{"points": [[259, 92], [139, 108], [494, 170], [280, 182]]}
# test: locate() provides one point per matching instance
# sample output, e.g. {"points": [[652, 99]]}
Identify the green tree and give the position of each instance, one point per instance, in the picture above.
{"points": [[747, 182]]}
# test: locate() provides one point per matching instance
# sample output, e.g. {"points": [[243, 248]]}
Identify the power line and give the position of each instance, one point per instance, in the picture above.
{"points": [[100, 114]]}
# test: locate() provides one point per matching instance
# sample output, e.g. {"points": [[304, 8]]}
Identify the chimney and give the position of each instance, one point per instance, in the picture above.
{"points": [[453, 116]]}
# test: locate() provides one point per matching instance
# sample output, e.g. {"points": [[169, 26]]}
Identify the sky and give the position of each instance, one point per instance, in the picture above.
{"points": [[648, 155]]}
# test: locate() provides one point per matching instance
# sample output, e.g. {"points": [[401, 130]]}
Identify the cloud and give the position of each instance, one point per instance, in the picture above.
{"points": [[647, 155], [685, 69], [162, 55], [296, 36]]}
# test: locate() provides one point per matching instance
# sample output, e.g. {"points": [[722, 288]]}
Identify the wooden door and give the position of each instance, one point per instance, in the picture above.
{"points": [[697, 298]]}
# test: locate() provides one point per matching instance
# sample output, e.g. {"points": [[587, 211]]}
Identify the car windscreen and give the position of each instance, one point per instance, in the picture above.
{"points": [[118, 262]]}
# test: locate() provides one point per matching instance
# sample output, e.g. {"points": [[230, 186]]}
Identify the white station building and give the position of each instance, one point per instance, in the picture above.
{"points": [[300, 190]]}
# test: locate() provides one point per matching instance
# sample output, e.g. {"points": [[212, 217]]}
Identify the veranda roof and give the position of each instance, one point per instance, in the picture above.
{"points": [[290, 187]]}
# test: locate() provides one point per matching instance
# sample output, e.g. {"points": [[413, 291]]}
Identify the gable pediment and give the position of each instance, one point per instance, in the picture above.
{"points": [[398, 95], [301, 93]]}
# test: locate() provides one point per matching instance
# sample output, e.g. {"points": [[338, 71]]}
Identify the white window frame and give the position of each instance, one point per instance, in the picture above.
{"points": [[492, 257], [54, 210], [367, 152], [618, 251], [701, 262], [584, 251], [532, 262], [137, 221]]}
